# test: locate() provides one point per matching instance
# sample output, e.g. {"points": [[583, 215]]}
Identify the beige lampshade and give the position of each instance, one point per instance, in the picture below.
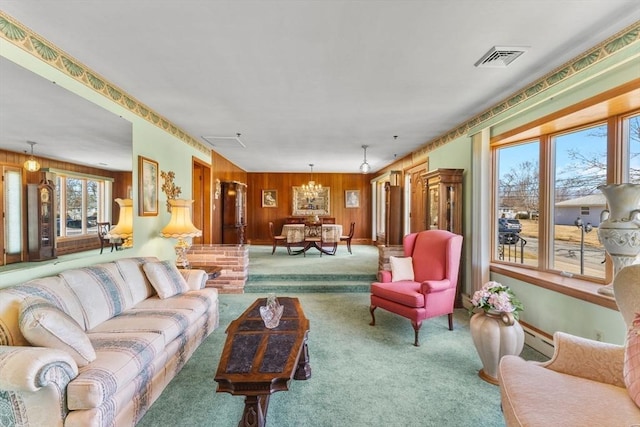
{"points": [[180, 225], [124, 227]]}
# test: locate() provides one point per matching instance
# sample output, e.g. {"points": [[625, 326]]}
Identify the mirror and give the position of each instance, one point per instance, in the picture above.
{"points": [[65, 126]]}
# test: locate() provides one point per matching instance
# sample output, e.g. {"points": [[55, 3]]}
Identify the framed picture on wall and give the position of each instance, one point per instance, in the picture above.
{"points": [[269, 198], [352, 198], [147, 187], [307, 205]]}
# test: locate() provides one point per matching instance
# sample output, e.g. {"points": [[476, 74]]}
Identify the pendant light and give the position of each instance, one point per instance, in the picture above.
{"points": [[365, 167], [32, 164]]}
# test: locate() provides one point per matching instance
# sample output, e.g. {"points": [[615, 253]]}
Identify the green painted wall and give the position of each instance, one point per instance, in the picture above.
{"points": [[148, 141]]}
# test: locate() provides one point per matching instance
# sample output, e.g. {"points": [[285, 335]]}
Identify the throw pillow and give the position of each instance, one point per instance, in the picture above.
{"points": [[401, 268], [165, 278], [43, 324], [632, 360]]}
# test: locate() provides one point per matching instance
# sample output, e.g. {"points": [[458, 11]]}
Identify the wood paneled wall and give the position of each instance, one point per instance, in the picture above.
{"points": [[122, 187], [223, 170], [259, 217]]}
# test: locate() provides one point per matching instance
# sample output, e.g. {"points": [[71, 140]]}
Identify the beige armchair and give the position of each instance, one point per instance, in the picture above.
{"points": [[583, 382]]}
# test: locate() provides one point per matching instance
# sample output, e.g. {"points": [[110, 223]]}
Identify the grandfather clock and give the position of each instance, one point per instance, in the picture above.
{"points": [[41, 221], [444, 199]]}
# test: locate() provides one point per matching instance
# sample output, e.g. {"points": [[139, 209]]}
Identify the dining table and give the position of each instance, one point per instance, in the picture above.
{"points": [[312, 235]]}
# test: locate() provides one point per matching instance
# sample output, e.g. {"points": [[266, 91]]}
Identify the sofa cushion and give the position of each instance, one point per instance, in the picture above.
{"points": [[401, 268], [121, 357], [198, 302], [168, 323], [43, 324], [165, 278], [406, 293], [632, 360], [131, 271], [101, 290]]}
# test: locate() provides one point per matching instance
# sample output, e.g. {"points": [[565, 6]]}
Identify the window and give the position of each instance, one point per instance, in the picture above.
{"points": [[580, 166], [631, 137], [81, 201], [547, 203], [518, 201]]}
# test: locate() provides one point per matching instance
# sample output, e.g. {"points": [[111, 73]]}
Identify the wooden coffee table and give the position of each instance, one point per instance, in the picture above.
{"points": [[256, 361]]}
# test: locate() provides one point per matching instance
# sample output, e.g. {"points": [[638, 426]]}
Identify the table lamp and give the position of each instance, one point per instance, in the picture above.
{"points": [[124, 228], [181, 227]]}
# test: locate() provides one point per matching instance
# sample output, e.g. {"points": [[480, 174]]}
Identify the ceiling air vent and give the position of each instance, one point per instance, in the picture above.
{"points": [[224, 141], [500, 56]]}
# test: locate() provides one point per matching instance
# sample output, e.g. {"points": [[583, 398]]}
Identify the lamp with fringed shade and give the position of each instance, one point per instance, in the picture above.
{"points": [[123, 230], [180, 227]]}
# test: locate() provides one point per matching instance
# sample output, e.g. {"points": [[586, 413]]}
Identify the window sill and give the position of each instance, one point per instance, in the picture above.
{"points": [[576, 288]]}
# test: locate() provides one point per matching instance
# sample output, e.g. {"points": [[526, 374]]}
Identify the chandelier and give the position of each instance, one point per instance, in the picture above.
{"points": [[311, 189]]}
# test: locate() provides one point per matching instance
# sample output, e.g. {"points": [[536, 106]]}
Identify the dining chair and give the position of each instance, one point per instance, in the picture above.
{"points": [[275, 239], [349, 236], [103, 231]]}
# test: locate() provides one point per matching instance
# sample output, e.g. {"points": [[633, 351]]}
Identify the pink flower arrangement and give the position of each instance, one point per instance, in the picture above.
{"points": [[496, 297]]}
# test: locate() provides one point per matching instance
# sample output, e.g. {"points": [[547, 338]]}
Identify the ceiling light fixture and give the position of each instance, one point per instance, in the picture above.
{"points": [[365, 167], [32, 164], [311, 189]]}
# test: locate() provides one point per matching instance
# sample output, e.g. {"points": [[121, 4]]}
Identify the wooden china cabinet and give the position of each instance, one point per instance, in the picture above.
{"points": [[234, 212], [444, 199], [41, 221]]}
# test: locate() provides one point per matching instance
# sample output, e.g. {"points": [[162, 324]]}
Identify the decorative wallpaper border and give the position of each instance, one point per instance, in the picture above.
{"points": [[24, 38], [21, 36], [614, 44]]}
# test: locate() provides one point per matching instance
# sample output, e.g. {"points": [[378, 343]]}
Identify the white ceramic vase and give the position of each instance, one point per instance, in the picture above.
{"points": [[619, 229], [495, 335]]}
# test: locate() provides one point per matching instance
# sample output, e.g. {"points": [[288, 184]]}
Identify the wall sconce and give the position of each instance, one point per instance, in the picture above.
{"points": [[124, 228], [180, 227], [216, 193], [365, 167], [169, 188], [32, 164]]}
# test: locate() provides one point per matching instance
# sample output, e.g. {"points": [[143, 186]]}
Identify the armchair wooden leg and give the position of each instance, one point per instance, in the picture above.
{"points": [[274, 248], [373, 317], [416, 329], [450, 315]]}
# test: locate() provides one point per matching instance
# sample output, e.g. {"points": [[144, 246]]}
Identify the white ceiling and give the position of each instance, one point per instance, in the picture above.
{"points": [[312, 81]]}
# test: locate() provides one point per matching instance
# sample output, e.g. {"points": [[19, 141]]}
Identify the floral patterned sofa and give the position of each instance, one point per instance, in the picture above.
{"points": [[96, 346]]}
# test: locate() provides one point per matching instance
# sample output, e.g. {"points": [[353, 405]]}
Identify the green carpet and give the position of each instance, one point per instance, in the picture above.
{"points": [[281, 272], [361, 375]]}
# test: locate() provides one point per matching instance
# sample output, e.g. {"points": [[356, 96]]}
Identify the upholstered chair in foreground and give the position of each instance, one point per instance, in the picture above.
{"points": [[586, 382], [422, 284]]}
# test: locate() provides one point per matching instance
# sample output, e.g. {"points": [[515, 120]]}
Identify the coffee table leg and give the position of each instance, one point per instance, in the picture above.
{"points": [[255, 411], [303, 371]]}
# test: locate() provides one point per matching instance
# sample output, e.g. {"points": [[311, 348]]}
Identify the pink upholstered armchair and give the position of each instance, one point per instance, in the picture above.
{"points": [[435, 258]]}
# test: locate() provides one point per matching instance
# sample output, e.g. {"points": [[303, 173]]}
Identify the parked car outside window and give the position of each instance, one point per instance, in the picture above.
{"points": [[508, 225]]}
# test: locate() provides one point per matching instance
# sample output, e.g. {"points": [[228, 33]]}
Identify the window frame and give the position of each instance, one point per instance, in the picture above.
{"points": [[103, 209], [585, 114]]}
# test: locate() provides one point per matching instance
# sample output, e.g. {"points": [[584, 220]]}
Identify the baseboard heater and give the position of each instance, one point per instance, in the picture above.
{"points": [[533, 337]]}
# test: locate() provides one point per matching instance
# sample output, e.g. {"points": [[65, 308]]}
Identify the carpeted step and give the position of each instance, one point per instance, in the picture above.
{"points": [[311, 277], [307, 286]]}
